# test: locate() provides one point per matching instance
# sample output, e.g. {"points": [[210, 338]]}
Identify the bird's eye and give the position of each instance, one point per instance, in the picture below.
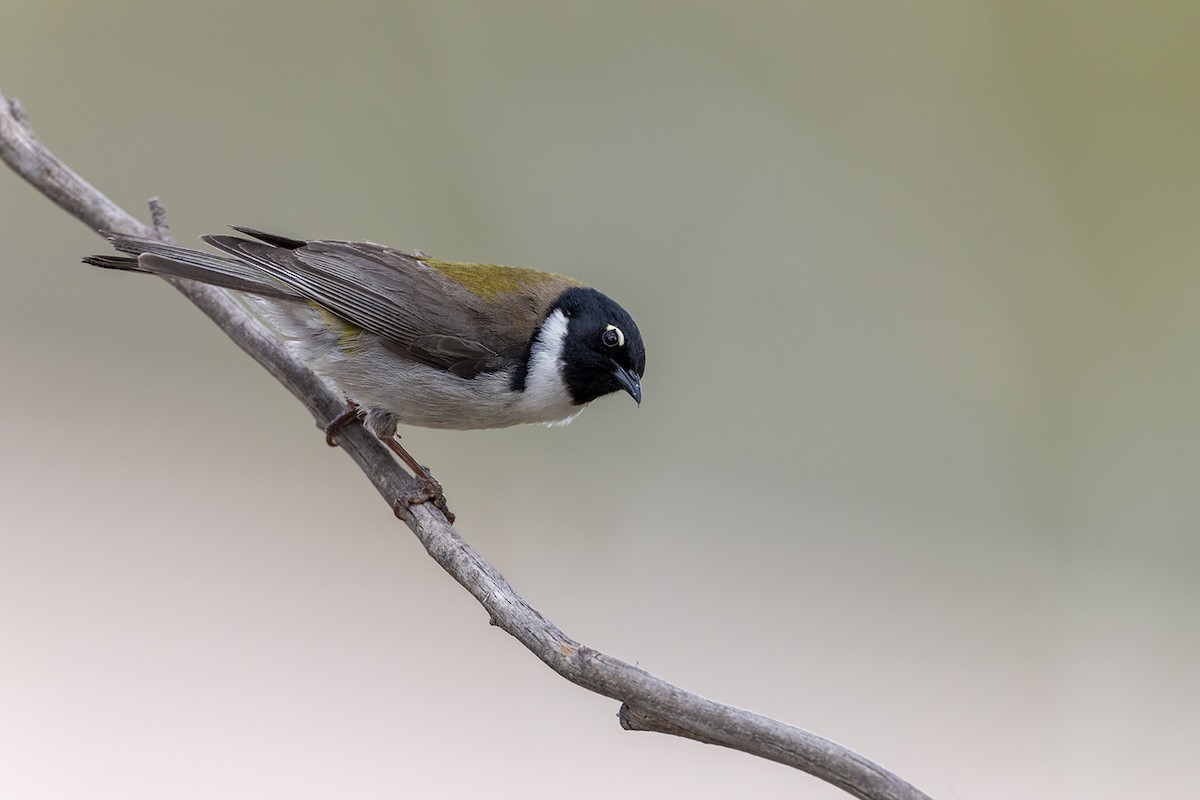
{"points": [[612, 337]]}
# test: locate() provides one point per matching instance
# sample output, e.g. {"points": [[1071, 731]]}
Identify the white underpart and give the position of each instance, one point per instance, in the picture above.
{"points": [[545, 395], [417, 394]]}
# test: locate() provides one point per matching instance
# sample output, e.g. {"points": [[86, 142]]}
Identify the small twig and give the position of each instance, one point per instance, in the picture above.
{"points": [[650, 703], [158, 218], [18, 112]]}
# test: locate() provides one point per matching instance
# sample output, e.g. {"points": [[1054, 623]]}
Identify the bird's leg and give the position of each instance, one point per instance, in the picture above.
{"points": [[431, 490], [340, 421]]}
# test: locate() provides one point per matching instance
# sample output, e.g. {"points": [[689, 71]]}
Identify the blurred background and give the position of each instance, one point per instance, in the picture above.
{"points": [[918, 466]]}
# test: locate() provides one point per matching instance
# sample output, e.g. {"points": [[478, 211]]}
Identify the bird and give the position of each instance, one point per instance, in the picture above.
{"points": [[413, 340]]}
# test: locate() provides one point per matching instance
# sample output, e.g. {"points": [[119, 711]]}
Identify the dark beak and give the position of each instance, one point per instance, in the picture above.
{"points": [[630, 381]]}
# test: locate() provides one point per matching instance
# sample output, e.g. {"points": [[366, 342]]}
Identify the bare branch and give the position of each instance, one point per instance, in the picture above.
{"points": [[649, 702]]}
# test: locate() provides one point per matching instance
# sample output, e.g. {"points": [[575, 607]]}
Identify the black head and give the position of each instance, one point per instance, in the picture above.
{"points": [[603, 350]]}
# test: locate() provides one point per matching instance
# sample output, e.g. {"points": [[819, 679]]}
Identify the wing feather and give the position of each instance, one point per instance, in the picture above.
{"points": [[418, 310]]}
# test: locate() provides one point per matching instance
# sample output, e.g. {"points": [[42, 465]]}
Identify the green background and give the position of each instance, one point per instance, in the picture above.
{"points": [[918, 466]]}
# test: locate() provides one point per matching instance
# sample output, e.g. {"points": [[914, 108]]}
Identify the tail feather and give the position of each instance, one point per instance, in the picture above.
{"points": [[115, 262], [158, 258]]}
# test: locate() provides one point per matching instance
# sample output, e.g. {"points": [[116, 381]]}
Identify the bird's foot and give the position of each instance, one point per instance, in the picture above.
{"points": [[430, 491], [340, 421]]}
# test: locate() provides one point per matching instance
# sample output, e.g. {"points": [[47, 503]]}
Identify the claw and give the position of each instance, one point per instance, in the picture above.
{"points": [[430, 492], [341, 421]]}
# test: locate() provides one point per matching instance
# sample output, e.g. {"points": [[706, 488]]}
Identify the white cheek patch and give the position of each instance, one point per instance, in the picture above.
{"points": [[543, 381]]}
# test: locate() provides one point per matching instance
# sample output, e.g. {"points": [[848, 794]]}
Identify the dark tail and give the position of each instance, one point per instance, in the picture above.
{"points": [[115, 262], [158, 258]]}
